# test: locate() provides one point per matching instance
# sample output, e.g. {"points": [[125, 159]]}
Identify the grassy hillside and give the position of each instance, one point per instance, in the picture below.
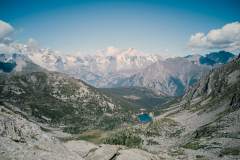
{"points": [[61, 101], [138, 97]]}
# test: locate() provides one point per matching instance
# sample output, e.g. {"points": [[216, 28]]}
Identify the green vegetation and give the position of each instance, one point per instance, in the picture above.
{"points": [[235, 135], [195, 145], [143, 97], [206, 131], [152, 142], [95, 136], [62, 102], [124, 137], [164, 127], [177, 152], [231, 151], [201, 157]]}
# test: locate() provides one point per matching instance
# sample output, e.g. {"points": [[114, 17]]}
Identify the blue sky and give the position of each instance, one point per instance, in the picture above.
{"points": [[148, 25]]}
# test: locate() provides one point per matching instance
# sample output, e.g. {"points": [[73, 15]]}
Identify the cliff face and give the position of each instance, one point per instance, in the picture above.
{"points": [[203, 125], [209, 115], [220, 82]]}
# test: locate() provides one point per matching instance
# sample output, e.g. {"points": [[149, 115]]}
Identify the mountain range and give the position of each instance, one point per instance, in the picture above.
{"points": [[204, 124], [114, 68], [49, 115], [56, 99]]}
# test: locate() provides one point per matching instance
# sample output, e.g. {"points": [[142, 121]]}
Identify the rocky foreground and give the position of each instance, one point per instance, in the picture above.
{"points": [[24, 140]]}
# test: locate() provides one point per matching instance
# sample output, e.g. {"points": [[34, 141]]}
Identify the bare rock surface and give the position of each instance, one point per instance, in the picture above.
{"points": [[135, 154], [24, 140], [82, 148], [105, 152], [21, 139]]}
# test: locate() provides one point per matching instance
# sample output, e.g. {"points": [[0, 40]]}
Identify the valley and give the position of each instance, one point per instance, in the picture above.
{"points": [[139, 97], [119, 80], [204, 125], [117, 122]]}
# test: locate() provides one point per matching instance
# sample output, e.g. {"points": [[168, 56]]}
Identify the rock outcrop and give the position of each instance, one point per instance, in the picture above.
{"points": [[24, 140], [203, 125], [21, 139]]}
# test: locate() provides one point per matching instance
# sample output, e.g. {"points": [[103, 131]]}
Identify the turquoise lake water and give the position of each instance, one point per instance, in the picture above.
{"points": [[144, 118]]}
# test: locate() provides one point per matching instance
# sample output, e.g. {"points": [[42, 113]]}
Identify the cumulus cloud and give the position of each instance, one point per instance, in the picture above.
{"points": [[7, 48], [227, 38], [5, 29], [32, 43]]}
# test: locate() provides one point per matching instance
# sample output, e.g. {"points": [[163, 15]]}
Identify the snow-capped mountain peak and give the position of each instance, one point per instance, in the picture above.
{"points": [[116, 52], [97, 69]]}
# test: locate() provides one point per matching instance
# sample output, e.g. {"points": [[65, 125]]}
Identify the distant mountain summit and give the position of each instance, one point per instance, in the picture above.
{"points": [[220, 57], [100, 69], [174, 75], [16, 62], [113, 67], [213, 58], [170, 77]]}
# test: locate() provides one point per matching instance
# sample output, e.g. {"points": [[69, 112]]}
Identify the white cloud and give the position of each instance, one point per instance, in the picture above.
{"points": [[8, 48], [5, 29], [112, 49], [227, 38], [32, 43]]}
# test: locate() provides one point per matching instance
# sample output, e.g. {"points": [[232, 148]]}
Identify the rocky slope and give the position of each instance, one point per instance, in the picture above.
{"points": [[59, 100], [139, 97], [204, 125], [173, 76], [170, 77], [21, 139], [113, 67]]}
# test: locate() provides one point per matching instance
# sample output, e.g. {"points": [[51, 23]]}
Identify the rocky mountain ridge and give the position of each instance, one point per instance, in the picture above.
{"points": [[170, 77], [113, 67], [59, 100], [174, 75], [97, 69], [203, 125]]}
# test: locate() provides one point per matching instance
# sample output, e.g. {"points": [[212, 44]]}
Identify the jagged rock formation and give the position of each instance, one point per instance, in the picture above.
{"points": [[203, 125], [100, 69], [113, 67], [170, 77], [174, 75]]}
